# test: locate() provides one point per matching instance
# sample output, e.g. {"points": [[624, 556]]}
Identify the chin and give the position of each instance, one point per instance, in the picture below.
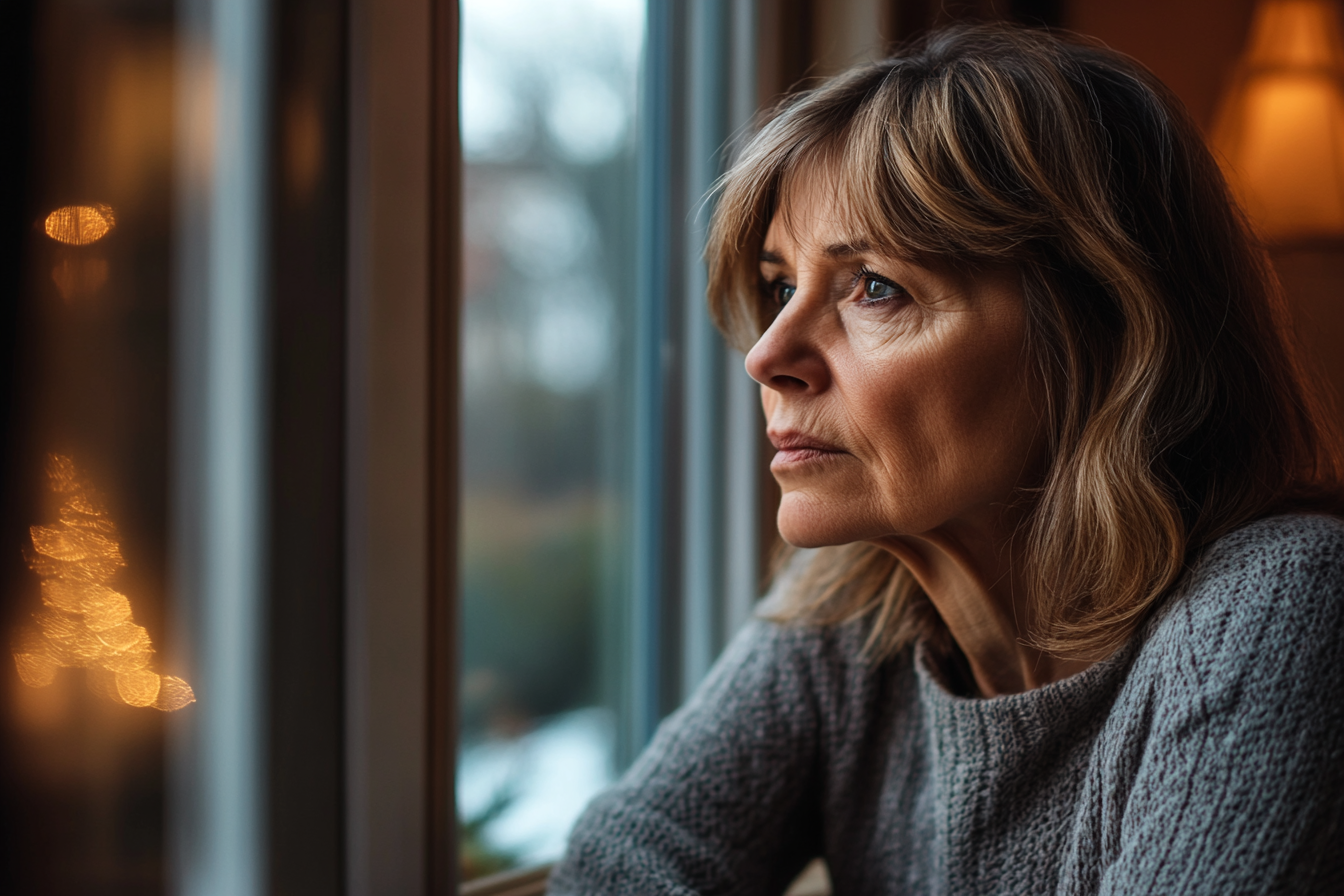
{"points": [[805, 524]]}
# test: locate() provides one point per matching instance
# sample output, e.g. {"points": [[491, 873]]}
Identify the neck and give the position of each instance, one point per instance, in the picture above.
{"points": [[973, 580]]}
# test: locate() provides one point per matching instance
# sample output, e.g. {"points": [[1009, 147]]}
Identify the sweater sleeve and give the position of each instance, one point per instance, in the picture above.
{"points": [[1241, 784], [722, 800]]}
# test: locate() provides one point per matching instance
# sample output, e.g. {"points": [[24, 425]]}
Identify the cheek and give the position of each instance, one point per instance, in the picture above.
{"points": [[948, 429], [769, 399], [987, 427], [904, 410]]}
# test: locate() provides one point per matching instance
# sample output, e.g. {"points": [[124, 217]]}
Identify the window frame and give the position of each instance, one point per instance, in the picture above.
{"points": [[402, 315]]}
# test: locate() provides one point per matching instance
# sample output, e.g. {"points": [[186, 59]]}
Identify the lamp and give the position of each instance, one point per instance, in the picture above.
{"points": [[1279, 132]]}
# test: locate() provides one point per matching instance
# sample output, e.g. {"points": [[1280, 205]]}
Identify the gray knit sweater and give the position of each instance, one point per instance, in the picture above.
{"points": [[1206, 756]]}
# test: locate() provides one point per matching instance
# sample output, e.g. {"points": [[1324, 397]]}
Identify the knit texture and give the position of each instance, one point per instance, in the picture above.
{"points": [[1205, 756]]}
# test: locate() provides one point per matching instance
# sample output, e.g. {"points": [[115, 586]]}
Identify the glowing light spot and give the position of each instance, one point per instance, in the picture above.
{"points": [[80, 225], [174, 693], [139, 687], [103, 614], [36, 670], [84, 622]]}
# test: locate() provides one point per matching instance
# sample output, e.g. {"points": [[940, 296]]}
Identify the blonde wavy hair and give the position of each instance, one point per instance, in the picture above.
{"points": [[1177, 408]]}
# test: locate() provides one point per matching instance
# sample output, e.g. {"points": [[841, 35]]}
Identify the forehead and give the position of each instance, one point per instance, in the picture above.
{"points": [[814, 210]]}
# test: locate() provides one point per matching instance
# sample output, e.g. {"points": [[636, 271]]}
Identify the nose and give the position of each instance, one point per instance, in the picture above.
{"points": [[787, 357]]}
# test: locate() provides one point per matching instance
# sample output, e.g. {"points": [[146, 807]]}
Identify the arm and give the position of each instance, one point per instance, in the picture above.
{"points": [[722, 800], [1241, 785]]}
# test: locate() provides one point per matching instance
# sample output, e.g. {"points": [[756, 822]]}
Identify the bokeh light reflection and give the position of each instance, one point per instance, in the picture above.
{"points": [[80, 225], [84, 622]]}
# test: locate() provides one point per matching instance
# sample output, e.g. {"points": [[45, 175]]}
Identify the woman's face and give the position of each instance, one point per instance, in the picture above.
{"points": [[898, 397]]}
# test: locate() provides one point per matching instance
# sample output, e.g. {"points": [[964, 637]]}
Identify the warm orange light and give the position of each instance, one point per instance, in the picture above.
{"points": [[79, 225], [83, 621], [1280, 130]]}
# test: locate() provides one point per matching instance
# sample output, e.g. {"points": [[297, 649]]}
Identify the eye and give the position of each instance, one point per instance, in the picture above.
{"points": [[878, 289], [779, 292]]}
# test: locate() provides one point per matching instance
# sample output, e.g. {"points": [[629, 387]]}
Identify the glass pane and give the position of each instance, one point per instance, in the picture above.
{"points": [[550, 220], [90, 659], [132, 476]]}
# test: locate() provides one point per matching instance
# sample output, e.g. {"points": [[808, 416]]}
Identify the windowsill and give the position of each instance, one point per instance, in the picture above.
{"points": [[814, 881], [523, 882]]}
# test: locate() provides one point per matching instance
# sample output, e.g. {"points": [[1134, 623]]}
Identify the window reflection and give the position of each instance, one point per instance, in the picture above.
{"points": [[549, 146], [79, 225], [90, 654], [85, 622]]}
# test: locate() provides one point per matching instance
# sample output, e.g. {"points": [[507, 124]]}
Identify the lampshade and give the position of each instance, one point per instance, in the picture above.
{"points": [[1279, 132]]}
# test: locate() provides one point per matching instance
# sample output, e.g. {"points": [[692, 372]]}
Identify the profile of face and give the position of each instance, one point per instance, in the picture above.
{"points": [[899, 397]]}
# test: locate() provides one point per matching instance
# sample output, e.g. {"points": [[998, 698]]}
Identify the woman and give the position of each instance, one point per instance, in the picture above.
{"points": [[1077, 620]]}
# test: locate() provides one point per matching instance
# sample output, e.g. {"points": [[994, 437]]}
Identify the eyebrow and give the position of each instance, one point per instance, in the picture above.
{"points": [[849, 250], [835, 250]]}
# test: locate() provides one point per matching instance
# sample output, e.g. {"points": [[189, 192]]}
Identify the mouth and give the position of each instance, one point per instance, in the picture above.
{"points": [[793, 449]]}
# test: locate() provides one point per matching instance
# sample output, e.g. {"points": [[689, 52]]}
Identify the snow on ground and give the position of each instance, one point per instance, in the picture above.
{"points": [[552, 773]]}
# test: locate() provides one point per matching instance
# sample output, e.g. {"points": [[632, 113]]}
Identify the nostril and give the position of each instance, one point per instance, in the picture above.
{"points": [[784, 383]]}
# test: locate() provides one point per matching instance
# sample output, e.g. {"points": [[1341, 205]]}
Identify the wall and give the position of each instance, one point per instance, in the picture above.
{"points": [[1192, 45]]}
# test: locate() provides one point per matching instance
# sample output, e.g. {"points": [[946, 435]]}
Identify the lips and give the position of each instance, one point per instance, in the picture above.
{"points": [[794, 448]]}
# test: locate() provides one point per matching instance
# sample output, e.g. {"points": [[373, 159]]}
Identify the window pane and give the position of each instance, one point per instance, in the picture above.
{"points": [[90, 663], [549, 140], [134, 478]]}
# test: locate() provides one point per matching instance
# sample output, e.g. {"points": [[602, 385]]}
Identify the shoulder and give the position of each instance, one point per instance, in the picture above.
{"points": [[1263, 605], [1270, 548], [1289, 567], [1225, 748]]}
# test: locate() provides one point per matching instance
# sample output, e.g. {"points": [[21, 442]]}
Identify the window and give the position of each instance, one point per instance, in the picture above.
{"points": [[172, 473], [550, 210], [595, 530]]}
